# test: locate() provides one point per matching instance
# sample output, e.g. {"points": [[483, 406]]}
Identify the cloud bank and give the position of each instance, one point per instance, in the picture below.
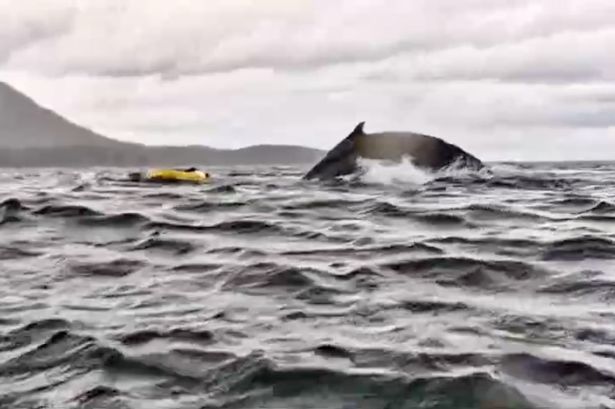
{"points": [[508, 79]]}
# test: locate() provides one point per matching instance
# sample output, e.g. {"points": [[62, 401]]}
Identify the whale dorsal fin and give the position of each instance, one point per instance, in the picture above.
{"points": [[358, 130]]}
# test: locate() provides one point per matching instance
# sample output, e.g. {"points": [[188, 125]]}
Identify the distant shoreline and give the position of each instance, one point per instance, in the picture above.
{"points": [[87, 156], [206, 164], [35, 136]]}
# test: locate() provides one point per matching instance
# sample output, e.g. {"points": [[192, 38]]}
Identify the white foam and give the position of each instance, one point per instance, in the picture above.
{"points": [[387, 173], [404, 172]]}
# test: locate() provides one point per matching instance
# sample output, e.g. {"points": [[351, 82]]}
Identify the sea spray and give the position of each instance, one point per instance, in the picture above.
{"points": [[387, 173]]}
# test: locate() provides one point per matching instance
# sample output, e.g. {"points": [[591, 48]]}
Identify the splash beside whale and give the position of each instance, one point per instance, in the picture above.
{"points": [[424, 151]]}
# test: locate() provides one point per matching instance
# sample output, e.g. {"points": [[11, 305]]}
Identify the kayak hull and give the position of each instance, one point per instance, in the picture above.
{"points": [[171, 176]]}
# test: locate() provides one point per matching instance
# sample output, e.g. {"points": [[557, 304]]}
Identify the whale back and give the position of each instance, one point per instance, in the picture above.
{"points": [[423, 150]]}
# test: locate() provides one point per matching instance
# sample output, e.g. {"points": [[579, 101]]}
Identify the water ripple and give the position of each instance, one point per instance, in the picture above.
{"points": [[263, 290]]}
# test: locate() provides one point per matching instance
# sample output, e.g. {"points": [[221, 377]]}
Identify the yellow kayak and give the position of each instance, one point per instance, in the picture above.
{"points": [[172, 175]]}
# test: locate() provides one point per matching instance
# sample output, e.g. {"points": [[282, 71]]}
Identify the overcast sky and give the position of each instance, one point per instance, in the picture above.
{"points": [[505, 79]]}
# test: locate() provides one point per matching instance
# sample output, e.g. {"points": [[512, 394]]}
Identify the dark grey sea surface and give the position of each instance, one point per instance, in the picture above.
{"points": [[260, 290]]}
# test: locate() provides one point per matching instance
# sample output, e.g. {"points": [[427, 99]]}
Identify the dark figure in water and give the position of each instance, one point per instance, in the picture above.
{"points": [[423, 150]]}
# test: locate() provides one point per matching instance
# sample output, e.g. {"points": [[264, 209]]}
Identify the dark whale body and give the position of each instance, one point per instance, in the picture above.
{"points": [[423, 150]]}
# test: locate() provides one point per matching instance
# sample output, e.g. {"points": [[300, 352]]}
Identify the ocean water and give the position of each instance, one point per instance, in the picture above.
{"points": [[398, 289]]}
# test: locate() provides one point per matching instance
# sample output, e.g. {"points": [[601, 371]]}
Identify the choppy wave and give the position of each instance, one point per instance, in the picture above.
{"points": [[396, 289]]}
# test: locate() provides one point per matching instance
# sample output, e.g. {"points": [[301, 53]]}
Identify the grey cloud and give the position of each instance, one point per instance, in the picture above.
{"points": [[568, 57], [25, 24], [589, 117], [176, 41], [500, 77], [602, 93]]}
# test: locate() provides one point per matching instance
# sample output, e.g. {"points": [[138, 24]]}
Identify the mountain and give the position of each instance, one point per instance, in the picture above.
{"points": [[31, 135], [25, 124]]}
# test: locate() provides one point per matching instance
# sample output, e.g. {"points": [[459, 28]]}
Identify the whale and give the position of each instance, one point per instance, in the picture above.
{"points": [[424, 151]]}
